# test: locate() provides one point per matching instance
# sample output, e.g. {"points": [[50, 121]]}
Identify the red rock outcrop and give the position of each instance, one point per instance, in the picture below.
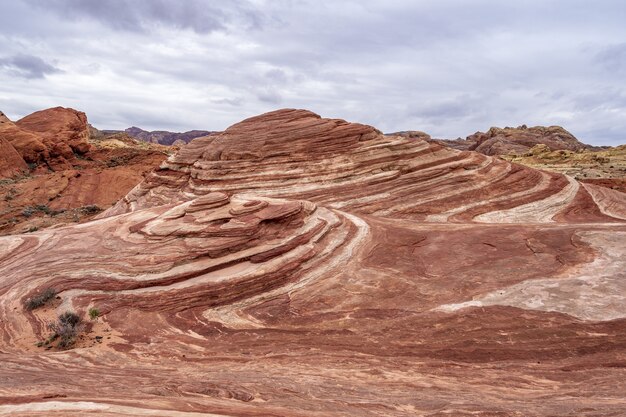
{"points": [[298, 266], [11, 162], [498, 141], [52, 137], [353, 167], [74, 176]]}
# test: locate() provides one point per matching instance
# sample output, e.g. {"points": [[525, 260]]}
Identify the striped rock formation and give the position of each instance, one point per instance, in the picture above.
{"points": [[353, 167], [300, 266]]}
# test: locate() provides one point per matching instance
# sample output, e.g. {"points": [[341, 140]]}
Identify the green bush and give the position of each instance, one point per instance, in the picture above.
{"points": [[94, 313]]}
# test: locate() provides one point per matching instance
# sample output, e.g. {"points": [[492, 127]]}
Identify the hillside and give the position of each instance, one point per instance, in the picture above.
{"points": [[160, 137], [70, 175], [605, 167]]}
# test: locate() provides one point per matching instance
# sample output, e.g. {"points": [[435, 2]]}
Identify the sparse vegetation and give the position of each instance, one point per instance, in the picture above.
{"points": [[10, 195], [94, 313], [18, 178], [30, 210], [67, 326], [40, 299], [91, 209], [42, 208]]}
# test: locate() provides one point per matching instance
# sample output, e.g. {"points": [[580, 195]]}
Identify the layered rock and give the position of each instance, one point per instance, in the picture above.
{"points": [[297, 154], [389, 266], [213, 250], [604, 167], [498, 141]]}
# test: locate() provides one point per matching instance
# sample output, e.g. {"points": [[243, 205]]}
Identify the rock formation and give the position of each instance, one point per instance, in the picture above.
{"points": [[71, 176], [353, 167], [606, 167], [163, 137], [296, 266], [497, 141], [52, 137], [11, 162]]}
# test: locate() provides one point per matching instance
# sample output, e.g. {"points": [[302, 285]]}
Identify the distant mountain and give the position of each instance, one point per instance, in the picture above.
{"points": [[161, 137], [164, 137]]}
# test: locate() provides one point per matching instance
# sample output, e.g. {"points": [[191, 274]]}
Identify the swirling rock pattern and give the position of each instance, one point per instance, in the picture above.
{"points": [[300, 266], [353, 167]]}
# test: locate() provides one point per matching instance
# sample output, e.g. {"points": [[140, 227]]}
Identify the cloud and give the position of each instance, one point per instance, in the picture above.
{"points": [[201, 16], [270, 96], [449, 67], [27, 66], [613, 58]]}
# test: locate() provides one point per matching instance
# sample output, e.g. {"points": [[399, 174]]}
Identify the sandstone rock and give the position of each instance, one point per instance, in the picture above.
{"points": [[51, 137], [62, 186], [11, 162], [27, 144], [65, 131], [296, 266], [296, 154], [497, 141], [539, 149]]}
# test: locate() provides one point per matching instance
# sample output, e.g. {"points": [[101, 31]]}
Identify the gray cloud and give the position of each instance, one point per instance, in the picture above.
{"points": [[27, 66], [449, 67], [202, 16], [614, 58], [270, 96]]}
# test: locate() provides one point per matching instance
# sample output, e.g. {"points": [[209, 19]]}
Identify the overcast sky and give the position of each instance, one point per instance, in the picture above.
{"points": [[446, 67]]}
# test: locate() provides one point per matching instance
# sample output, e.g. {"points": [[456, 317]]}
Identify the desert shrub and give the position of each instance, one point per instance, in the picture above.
{"points": [[94, 313], [28, 211], [67, 326], [42, 208], [40, 299], [10, 195], [91, 209]]}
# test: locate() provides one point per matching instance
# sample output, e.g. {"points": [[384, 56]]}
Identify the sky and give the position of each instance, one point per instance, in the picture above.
{"points": [[446, 67]]}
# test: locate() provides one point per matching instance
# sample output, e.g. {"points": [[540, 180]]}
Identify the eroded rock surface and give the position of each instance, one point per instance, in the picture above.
{"points": [[519, 140], [299, 266], [605, 167], [353, 167], [52, 137], [11, 162], [82, 177]]}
